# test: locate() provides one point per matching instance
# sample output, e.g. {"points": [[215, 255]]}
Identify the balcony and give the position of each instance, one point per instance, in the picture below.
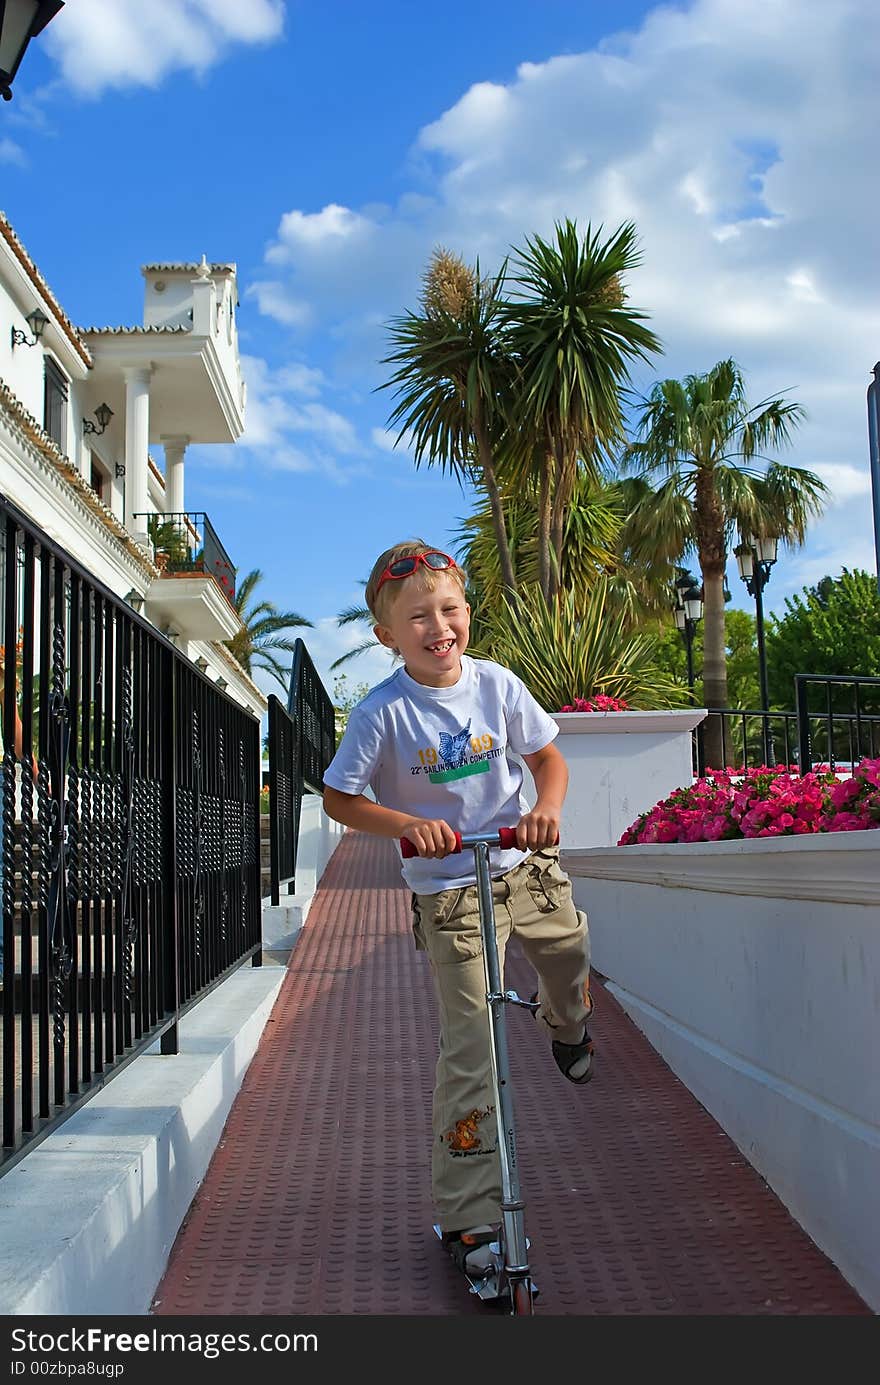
{"points": [[195, 596]]}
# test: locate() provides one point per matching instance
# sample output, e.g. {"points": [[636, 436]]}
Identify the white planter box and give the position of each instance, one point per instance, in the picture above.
{"points": [[754, 969], [620, 764]]}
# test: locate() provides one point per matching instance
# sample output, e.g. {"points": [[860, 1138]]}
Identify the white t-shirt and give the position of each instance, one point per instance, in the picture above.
{"points": [[445, 753]]}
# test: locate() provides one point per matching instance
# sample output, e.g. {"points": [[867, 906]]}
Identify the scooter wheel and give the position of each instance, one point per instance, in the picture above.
{"points": [[522, 1304]]}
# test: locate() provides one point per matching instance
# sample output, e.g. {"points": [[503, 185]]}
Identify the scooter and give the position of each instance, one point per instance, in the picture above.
{"points": [[510, 1272]]}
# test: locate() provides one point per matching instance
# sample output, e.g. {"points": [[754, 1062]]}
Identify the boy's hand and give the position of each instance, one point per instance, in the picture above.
{"points": [[538, 828], [430, 836]]}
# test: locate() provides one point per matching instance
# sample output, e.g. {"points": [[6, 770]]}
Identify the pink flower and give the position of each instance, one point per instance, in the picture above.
{"points": [[600, 703], [764, 802]]}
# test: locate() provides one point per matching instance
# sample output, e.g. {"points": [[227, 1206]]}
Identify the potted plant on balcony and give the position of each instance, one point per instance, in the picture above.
{"points": [[169, 541]]}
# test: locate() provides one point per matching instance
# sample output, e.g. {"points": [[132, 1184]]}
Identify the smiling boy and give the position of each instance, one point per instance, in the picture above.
{"points": [[435, 743]]}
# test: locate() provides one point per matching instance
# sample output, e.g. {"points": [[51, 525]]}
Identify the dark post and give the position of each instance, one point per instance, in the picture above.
{"points": [[169, 1043], [874, 444], [689, 638], [274, 803], [755, 557], [804, 748], [767, 741]]}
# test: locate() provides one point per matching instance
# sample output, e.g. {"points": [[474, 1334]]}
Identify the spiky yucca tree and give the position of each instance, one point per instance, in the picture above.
{"points": [[452, 378], [573, 338], [563, 649]]}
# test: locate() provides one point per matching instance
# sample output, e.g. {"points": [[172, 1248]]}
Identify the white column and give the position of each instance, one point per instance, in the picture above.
{"points": [[137, 447], [174, 450]]}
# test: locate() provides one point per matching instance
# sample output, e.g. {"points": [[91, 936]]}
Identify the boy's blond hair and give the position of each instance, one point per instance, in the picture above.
{"points": [[380, 602]]}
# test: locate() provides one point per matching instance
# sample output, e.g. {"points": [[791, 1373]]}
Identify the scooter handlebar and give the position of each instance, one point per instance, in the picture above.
{"points": [[505, 837]]}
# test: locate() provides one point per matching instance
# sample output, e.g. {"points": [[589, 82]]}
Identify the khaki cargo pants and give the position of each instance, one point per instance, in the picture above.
{"points": [[534, 901]]}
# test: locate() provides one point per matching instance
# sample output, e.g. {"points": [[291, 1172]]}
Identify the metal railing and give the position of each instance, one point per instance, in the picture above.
{"points": [[302, 741], [130, 847], [835, 733], [746, 734], [840, 732], [189, 543]]}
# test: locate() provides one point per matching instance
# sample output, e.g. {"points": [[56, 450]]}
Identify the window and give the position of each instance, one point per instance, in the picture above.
{"points": [[98, 477], [55, 404]]}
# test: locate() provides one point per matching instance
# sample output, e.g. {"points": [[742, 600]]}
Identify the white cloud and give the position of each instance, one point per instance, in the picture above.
{"points": [[329, 426], [12, 153], [303, 380], [735, 136], [102, 44], [318, 230], [824, 559], [328, 641], [386, 441], [288, 429], [275, 302], [845, 482]]}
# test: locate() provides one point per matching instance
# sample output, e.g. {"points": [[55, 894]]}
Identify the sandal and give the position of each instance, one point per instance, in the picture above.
{"points": [[471, 1250], [575, 1061]]}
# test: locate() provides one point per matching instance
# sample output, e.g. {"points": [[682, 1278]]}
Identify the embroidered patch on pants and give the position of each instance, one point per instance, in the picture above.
{"points": [[464, 1138]]}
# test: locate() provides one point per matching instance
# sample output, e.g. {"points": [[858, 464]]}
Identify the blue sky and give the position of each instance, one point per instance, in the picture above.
{"points": [[327, 150]]}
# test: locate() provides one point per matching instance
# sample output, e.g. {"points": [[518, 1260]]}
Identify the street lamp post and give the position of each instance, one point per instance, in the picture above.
{"points": [[20, 21], [755, 556], [874, 445], [688, 610]]}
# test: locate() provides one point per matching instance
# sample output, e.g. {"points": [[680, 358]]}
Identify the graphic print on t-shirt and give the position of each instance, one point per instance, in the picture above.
{"points": [[460, 754]]}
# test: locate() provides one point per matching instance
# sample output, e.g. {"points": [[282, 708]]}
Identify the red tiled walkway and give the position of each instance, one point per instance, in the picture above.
{"points": [[317, 1199]]}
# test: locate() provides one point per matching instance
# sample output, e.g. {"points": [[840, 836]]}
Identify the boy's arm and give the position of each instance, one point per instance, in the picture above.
{"points": [[540, 827], [430, 836]]}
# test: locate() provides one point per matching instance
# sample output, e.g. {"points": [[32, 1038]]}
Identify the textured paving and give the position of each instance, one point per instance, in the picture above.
{"points": [[317, 1200]]}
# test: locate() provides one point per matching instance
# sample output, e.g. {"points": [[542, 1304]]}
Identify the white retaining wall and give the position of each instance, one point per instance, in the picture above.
{"points": [[752, 967]]}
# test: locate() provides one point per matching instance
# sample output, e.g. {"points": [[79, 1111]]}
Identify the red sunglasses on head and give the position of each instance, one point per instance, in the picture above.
{"points": [[405, 567]]}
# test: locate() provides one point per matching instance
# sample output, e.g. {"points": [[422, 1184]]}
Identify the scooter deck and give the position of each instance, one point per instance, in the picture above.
{"points": [[491, 1286]]}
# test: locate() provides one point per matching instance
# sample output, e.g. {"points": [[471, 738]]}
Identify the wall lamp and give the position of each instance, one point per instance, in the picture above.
{"points": [[222, 684], [134, 599], [103, 414], [201, 663], [37, 321]]}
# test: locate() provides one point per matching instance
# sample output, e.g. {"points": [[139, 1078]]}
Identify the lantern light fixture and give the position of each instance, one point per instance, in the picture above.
{"points": [[37, 321], [103, 414]]}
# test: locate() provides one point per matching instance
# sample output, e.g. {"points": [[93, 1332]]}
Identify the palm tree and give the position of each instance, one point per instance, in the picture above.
{"points": [[451, 379], [261, 633], [699, 435], [573, 340]]}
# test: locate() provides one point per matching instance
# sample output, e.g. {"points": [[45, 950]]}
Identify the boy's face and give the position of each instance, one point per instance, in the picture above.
{"points": [[430, 628]]}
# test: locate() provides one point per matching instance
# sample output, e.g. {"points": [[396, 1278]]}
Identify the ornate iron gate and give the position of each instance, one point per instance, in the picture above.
{"points": [[302, 741], [130, 849]]}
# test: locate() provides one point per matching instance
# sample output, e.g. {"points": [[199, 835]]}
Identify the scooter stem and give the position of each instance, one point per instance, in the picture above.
{"points": [[516, 1253]]}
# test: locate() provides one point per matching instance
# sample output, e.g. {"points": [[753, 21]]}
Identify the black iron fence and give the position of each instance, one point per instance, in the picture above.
{"points": [[130, 850], [302, 741], [189, 543], [838, 719], [836, 723], [750, 738]]}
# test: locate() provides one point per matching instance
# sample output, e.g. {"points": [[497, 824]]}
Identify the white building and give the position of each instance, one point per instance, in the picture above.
{"points": [[81, 410]]}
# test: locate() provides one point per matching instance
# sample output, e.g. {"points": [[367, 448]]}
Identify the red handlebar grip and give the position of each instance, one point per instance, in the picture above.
{"points": [[407, 849], [506, 840]]}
